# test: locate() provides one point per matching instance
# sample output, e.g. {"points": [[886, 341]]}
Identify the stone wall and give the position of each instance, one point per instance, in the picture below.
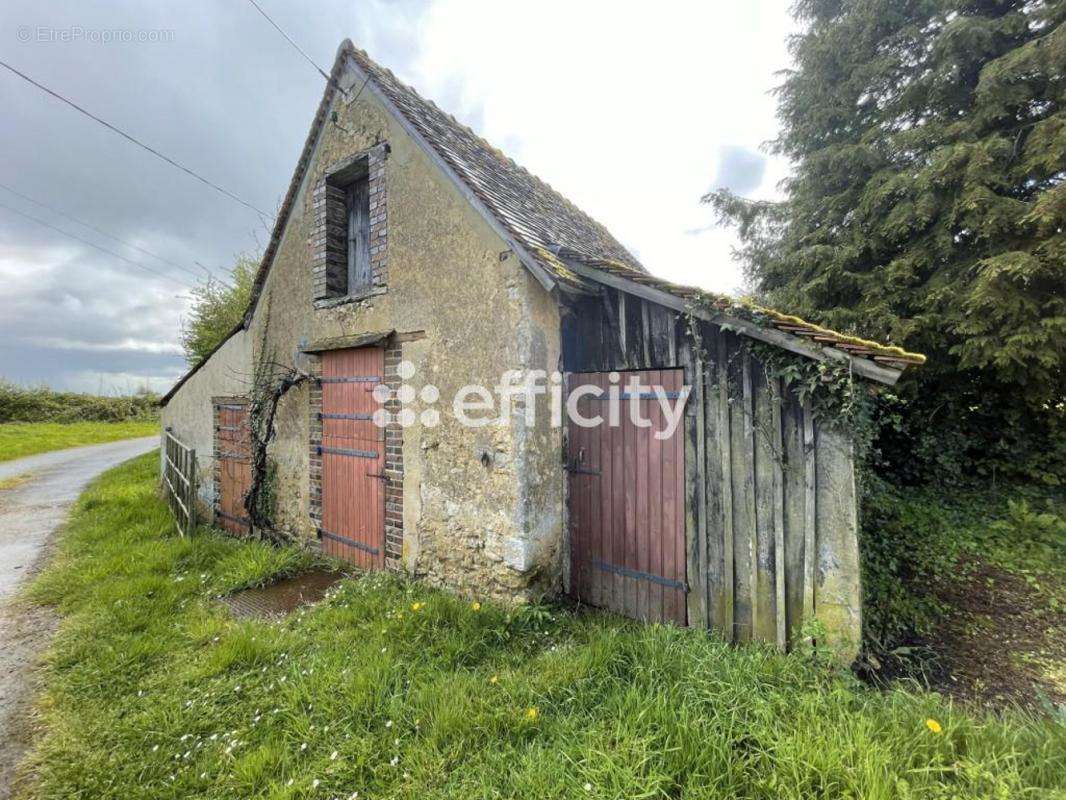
{"points": [[475, 509], [190, 412]]}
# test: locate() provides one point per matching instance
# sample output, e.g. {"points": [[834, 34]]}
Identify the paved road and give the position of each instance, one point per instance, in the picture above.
{"points": [[30, 513]]}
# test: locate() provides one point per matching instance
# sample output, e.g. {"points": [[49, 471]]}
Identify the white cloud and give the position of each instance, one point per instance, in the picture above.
{"points": [[625, 108]]}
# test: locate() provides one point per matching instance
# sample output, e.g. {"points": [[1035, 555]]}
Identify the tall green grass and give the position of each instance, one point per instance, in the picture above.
{"points": [[18, 439], [392, 690]]}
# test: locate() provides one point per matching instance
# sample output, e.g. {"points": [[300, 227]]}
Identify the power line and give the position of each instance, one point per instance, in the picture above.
{"points": [[91, 244], [102, 232], [288, 39], [135, 141]]}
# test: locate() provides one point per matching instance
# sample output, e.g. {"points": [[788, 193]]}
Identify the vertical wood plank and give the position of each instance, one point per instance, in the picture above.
{"points": [[656, 534], [749, 479], [779, 514], [725, 440], [695, 486], [645, 326], [810, 511]]}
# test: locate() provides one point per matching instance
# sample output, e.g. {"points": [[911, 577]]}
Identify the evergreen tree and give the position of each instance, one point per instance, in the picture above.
{"points": [[217, 309], [928, 207]]}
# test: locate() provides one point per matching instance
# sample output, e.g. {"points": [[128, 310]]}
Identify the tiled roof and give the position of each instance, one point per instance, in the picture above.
{"points": [[889, 355]]}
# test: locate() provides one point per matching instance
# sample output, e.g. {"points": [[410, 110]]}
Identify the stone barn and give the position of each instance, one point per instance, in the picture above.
{"points": [[447, 369]]}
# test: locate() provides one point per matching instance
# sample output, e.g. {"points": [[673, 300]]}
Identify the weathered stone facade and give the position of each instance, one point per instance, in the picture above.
{"points": [[475, 509]]}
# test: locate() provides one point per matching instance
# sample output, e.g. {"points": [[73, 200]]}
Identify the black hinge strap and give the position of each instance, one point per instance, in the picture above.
{"points": [[343, 451], [324, 534], [639, 575]]}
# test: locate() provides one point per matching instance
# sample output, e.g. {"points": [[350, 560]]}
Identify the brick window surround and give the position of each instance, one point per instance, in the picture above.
{"points": [[328, 238], [393, 455]]}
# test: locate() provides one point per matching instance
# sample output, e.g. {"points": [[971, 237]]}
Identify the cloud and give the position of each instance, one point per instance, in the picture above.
{"points": [[739, 169], [625, 138]]}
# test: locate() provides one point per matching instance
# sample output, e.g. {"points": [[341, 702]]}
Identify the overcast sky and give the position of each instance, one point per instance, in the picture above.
{"points": [[632, 110]]}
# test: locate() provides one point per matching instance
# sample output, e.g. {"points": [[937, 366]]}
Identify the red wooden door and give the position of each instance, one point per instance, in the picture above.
{"points": [[353, 457], [627, 503], [235, 466]]}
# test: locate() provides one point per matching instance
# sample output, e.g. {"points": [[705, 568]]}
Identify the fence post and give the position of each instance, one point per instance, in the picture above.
{"points": [[192, 490]]}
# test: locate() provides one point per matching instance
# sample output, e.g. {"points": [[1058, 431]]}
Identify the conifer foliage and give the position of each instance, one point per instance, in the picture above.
{"points": [[928, 201]]}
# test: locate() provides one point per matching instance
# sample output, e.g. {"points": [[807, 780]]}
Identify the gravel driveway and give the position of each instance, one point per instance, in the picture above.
{"points": [[30, 514]]}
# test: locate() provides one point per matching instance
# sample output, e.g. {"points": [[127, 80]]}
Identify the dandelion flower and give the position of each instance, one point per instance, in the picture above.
{"points": [[417, 606], [476, 605], [934, 726], [494, 679], [532, 712]]}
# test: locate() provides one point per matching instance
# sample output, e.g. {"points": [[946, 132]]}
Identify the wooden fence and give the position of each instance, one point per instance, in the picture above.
{"points": [[179, 481]]}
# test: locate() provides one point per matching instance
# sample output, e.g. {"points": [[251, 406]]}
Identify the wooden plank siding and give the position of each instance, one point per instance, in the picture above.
{"points": [[770, 507]]}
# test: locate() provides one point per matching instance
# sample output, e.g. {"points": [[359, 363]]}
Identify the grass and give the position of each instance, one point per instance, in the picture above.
{"points": [[14, 481], [18, 439], [390, 689]]}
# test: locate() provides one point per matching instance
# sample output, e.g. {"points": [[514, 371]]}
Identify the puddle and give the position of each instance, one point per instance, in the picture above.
{"points": [[283, 597]]}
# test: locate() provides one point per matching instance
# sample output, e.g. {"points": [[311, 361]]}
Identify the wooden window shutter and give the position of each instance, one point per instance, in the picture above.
{"points": [[358, 236]]}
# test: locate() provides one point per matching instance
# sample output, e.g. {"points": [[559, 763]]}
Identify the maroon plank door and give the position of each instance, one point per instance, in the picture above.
{"points": [[353, 457], [235, 466], [627, 503]]}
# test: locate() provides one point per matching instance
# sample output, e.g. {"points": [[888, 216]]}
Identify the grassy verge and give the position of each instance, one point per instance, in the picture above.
{"points": [[18, 439], [392, 690]]}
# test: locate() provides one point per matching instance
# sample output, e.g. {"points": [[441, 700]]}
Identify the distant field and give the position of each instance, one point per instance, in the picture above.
{"points": [[18, 439]]}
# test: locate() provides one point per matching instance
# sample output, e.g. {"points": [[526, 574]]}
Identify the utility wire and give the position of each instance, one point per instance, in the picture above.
{"points": [[288, 39], [135, 141], [91, 244], [102, 232]]}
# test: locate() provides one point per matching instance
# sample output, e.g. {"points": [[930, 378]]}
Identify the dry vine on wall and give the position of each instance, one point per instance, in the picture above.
{"points": [[271, 382]]}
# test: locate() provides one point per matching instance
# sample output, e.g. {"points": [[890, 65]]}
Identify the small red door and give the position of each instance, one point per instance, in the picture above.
{"points": [[627, 502], [234, 455], [353, 457]]}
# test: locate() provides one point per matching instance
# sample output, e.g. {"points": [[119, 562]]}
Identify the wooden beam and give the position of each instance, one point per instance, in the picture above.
{"points": [[862, 366]]}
